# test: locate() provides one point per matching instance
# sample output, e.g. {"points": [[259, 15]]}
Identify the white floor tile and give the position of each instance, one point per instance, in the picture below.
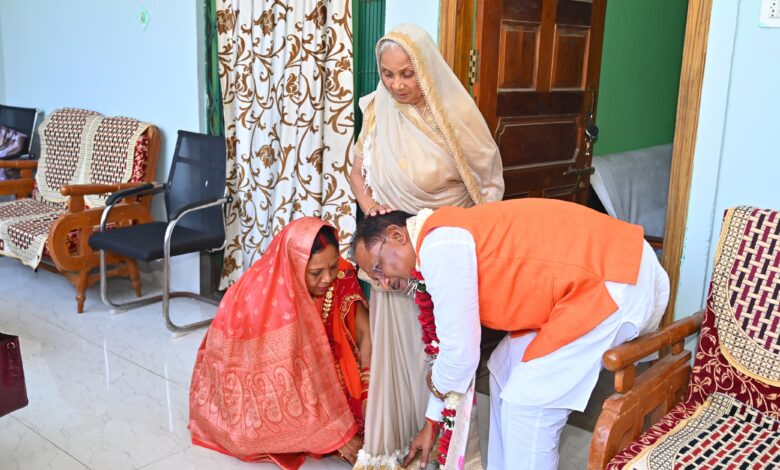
{"points": [[103, 409], [111, 391], [22, 448], [198, 458]]}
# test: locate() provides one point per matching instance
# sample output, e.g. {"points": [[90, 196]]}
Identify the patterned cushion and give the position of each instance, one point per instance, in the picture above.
{"points": [[24, 227], [63, 142], [722, 433], [746, 293], [738, 342], [680, 412], [111, 152], [22, 208]]}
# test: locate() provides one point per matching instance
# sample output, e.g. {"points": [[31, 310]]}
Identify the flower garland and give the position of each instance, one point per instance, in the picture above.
{"points": [[427, 321]]}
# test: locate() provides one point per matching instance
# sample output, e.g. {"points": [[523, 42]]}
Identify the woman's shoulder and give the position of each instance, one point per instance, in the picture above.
{"points": [[347, 268], [366, 101], [347, 279]]}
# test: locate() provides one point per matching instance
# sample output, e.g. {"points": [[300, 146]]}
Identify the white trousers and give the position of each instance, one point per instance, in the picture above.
{"points": [[523, 437], [530, 401]]}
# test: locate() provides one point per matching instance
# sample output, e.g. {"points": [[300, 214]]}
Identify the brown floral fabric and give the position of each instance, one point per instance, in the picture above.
{"points": [[286, 74]]}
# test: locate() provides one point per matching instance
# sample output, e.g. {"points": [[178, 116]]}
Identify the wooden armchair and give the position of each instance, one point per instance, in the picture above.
{"points": [[84, 157], [726, 409]]}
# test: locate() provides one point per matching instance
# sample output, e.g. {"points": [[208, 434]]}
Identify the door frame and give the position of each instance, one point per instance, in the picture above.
{"points": [[697, 30], [457, 23], [688, 108]]}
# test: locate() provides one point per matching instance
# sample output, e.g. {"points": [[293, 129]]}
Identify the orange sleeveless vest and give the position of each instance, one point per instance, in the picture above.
{"points": [[542, 264]]}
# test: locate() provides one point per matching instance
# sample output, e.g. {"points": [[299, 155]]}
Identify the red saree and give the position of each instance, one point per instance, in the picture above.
{"points": [[277, 377]]}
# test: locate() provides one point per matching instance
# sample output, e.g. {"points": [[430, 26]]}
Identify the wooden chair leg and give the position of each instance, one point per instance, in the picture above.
{"points": [[81, 288], [132, 266]]}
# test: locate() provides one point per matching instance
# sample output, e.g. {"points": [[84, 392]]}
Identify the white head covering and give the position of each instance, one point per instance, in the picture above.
{"points": [[396, 138]]}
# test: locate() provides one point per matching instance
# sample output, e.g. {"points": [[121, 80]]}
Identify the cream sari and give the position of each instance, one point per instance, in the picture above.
{"points": [[411, 163]]}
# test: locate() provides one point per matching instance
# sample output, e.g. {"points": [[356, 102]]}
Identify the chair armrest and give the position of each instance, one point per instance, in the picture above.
{"points": [[19, 156], [644, 398], [625, 415], [25, 168], [21, 164], [84, 223], [655, 242], [203, 204], [86, 189], [140, 190], [19, 187], [628, 353]]}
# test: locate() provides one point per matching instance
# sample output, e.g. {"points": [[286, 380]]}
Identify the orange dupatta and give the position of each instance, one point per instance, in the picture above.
{"points": [[264, 385]]}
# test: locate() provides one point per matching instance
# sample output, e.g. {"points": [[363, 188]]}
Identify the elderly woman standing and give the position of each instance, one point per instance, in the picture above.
{"points": [[424, 144]]}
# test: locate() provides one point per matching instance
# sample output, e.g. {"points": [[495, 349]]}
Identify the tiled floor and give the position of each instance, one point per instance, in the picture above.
{"points": [[110, 391]]}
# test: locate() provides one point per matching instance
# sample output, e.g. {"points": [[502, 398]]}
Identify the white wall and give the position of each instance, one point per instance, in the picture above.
{"points": [[2, 62], [737, 159], [94, 54], [424, 13]]}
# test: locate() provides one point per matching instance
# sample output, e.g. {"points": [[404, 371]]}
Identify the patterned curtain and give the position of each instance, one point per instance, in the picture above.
{"points": [[285, 68]]}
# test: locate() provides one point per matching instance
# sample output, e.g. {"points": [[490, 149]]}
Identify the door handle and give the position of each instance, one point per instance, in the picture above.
{"points": [[578, 172]]}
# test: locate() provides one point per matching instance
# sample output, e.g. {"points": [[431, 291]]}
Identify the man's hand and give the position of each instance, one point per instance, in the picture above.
{"points": [[422, 442]]}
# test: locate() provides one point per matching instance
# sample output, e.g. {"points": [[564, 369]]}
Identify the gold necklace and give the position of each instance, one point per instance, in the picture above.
{"points": [[327, 302], [424, 111]]}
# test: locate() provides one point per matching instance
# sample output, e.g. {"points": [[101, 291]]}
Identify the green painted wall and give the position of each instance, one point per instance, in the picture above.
{"points": [[640, 73]]}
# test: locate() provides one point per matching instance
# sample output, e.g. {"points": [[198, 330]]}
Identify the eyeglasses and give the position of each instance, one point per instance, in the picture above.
{"points": [[376, 269]]}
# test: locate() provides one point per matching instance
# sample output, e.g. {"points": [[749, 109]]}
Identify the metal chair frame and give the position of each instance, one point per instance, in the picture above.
{"points": [[166, 295]]}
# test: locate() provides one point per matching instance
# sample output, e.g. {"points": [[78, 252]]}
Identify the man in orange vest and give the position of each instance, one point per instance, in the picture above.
{"points": [[566, 282]]}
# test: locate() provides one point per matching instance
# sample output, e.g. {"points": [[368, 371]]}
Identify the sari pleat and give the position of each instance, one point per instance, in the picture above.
{"points": [[411, 163]]}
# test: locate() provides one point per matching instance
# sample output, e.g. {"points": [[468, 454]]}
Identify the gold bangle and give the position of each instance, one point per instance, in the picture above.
{"points": [[372, 208], [436, 393]]}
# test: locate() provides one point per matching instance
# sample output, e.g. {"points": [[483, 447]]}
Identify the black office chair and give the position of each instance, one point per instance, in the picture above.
{"points": [[194, 201], [22, 120]]}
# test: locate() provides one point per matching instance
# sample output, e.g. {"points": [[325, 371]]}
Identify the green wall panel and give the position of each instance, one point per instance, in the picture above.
{"points": [[640, 73], [368, 19]]}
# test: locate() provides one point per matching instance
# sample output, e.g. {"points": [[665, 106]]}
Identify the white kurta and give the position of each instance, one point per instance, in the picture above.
{"points": [[563, 379]]}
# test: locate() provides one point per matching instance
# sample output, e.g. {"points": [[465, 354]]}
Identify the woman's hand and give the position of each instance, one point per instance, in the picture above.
{"points": [[378, 209]]}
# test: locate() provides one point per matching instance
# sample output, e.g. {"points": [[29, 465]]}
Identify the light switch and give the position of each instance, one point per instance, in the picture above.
{"points": [[144, 17], [770, 14]]}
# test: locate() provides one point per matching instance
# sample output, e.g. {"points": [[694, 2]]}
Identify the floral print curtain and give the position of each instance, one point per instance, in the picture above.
{"points": [[285, 69]]}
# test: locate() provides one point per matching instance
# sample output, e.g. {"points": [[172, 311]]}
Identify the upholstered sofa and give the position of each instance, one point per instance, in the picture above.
{"points": [[724, 412]]}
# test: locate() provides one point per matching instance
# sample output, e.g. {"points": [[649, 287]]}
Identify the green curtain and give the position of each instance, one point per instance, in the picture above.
{"points": [[368, 19], [215, 123]]}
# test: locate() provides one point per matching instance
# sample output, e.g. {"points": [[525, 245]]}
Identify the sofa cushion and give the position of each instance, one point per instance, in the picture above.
{"points": [[24, 228], [722, 432]]}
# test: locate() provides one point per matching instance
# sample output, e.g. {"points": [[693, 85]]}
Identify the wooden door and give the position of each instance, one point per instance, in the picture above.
{"points": [[536, 84]]}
